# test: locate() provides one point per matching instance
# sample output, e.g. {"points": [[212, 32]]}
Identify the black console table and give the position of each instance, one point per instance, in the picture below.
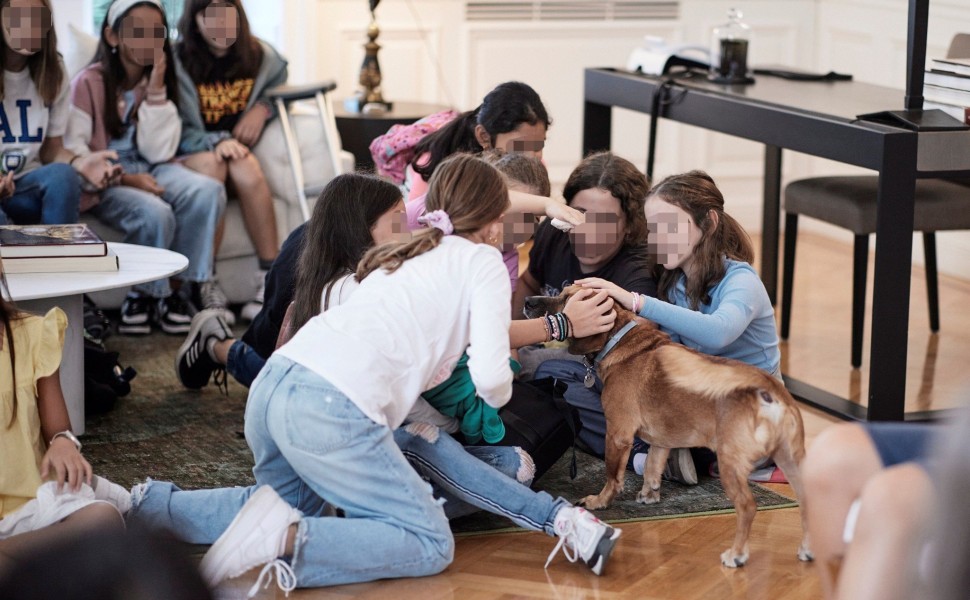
{"points": [[816, 118]]}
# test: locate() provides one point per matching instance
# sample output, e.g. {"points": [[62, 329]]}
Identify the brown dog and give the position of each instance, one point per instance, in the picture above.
{"points": [[674, 397]]}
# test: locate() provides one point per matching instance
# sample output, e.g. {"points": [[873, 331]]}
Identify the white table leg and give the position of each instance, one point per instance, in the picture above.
{"points": [[72, 360]]}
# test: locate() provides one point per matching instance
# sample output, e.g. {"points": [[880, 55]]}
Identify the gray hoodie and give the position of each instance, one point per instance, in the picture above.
{"points": [[195, 137]]}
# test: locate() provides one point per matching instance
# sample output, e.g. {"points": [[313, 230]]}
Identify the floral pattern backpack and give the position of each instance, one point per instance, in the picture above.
{"points": [[393, 151]]}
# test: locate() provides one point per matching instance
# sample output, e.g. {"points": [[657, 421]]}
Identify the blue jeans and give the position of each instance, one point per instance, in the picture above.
{"points": [[586, 400], [311, 442], [182, 219], [49, 195], [243, 363]]}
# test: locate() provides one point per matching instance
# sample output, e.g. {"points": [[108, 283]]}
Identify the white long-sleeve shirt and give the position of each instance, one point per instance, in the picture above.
{"points": [[402, 333], [158, 125]]}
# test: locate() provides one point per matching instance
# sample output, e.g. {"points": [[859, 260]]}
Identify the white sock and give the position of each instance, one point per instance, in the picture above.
{"points": [[639, 462], [111, 492]]}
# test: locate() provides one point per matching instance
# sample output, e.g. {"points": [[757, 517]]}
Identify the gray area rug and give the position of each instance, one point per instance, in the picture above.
{"points": [[194, 439]]}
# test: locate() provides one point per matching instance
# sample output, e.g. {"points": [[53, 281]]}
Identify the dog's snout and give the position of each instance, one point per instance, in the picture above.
{"points": [[533, 307]]}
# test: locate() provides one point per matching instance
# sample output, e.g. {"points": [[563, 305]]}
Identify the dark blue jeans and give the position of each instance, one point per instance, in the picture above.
{"points": [[243, 363], [48, 195]]}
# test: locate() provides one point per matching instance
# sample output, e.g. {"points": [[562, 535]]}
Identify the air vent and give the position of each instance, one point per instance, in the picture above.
{"points": [[580, 10]]}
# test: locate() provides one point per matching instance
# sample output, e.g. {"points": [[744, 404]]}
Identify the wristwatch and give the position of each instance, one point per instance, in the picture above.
{"points": [[68, 435]]}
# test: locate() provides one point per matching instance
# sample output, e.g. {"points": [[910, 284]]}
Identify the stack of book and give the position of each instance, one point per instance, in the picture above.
{"points": [[53, 249], [946, 86]]}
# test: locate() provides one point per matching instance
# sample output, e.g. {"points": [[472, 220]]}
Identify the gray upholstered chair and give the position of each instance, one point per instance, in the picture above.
{"points": [[850, 202]]}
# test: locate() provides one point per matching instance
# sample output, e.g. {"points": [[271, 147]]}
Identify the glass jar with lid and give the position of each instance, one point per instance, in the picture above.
{"points": [[729, 51]]}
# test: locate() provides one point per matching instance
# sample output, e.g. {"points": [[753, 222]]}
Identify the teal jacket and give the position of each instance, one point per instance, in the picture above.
{"points": [[195, 137], [455, 397]]}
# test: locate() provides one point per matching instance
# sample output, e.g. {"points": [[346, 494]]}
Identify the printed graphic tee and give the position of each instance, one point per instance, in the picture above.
{"points": [[25, 121], [223, 101]]}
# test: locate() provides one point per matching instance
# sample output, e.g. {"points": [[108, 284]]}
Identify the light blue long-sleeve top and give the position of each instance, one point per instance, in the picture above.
{"points": [[739, 322]]}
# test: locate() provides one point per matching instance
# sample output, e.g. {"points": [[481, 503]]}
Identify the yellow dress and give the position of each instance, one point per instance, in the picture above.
{"points": [[38, 342]]}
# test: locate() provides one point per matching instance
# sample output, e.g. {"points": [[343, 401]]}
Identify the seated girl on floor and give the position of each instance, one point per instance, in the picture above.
{"points": [[511, 117], [314, 269], [47, 490]]}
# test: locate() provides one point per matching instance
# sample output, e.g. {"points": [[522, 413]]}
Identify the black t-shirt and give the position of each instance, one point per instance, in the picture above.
{"points": [[554, 266], [223, 101]]}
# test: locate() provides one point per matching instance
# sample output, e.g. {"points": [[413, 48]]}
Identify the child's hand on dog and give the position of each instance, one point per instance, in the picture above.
{"points": [[619, 294], [590, 312]]}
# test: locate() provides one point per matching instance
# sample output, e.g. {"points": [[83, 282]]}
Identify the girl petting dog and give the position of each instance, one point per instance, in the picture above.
{"points": [[321, 424], [709, 297]]}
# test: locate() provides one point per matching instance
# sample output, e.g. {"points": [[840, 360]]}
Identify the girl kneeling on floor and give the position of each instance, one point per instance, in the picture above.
{"points": [[321, 418]]}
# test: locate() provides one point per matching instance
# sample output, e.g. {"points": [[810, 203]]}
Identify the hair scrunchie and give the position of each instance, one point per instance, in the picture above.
{"points": [[438, 219]]}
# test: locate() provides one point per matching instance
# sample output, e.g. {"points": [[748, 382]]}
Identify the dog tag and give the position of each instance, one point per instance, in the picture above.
{"points": [[589, 380]]}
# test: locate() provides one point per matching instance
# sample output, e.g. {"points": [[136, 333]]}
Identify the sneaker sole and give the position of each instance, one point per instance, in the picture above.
{"points": [[129, 329], [603, 551], [214, 565], [175, 328]]}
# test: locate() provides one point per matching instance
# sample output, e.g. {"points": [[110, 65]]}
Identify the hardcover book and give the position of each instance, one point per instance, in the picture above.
{"points": [[947, 80], [960, 66], [62, 264], [25, 241]]}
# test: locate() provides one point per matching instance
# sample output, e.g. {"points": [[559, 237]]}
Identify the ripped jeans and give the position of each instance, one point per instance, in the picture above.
{"points": [[311, 442]]}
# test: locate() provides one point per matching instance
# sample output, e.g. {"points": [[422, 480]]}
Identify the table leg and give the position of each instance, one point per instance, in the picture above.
{"points": [[894, 256], [72, 359], [769, 221]]}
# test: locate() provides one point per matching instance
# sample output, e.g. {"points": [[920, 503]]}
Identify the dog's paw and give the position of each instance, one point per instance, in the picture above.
{"points": [[593, 503], [650, 497], [805, 554], [731, 560]]}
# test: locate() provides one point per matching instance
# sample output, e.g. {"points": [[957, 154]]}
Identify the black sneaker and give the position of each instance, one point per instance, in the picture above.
{"points": [[174, 314], [137, 312], [193, 363]]}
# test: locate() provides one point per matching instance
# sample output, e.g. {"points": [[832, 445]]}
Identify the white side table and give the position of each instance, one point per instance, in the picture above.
{"points": [[39, 292]]}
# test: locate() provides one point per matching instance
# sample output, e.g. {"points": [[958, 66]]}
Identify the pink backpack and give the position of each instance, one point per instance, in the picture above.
{"points": [[393, 151]]}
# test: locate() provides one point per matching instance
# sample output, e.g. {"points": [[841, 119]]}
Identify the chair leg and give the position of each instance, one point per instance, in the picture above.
{"points": [[932, 285], [788, 274], [860, 268]]}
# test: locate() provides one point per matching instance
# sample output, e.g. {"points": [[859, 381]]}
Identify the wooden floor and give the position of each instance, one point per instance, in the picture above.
{"points": [[678, 558]]}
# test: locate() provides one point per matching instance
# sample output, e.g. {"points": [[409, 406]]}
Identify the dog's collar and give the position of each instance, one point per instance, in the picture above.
{"points": [[613, 341]]}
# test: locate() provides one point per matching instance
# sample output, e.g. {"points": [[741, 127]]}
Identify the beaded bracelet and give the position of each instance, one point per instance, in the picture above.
{"points": [[569, 324], [636, 302], [555, 327], [545, 325]]}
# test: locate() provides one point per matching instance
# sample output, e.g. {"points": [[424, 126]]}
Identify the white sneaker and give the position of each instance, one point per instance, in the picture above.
{"points": [[257, 536], [252, 308], [680, 466], [583, 536]]}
